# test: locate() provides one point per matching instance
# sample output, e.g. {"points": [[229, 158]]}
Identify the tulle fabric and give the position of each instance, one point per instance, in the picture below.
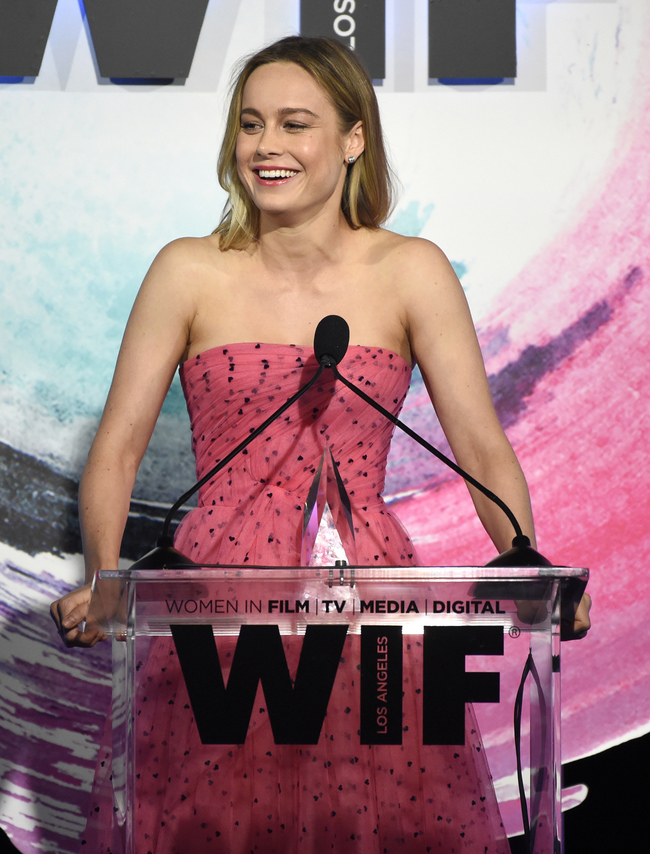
{"points": [[337, 795], [252, 512]]}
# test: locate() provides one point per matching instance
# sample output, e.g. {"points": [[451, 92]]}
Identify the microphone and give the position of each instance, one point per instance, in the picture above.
{"points": [[331, 340]]}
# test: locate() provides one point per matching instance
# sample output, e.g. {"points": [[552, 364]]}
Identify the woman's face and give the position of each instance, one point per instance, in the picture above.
{"points": [[291, 155]]}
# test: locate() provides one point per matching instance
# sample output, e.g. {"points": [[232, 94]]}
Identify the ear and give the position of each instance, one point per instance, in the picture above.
{"points": [[356, 142]]}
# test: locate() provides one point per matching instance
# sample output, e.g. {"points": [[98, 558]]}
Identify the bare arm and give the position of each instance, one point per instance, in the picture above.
{"points": [[444, 343], [155, 339], [445, 346]]}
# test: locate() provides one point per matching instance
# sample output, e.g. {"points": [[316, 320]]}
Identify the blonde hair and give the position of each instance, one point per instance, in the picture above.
{"points": [[368, 191]]}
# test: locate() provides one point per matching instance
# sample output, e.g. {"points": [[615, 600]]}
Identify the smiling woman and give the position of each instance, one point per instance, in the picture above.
{"points": [[304, 165], [337, 76], [292, 160]]}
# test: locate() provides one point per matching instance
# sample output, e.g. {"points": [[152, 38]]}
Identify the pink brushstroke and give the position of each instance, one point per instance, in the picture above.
{"points": [[582, 440]]}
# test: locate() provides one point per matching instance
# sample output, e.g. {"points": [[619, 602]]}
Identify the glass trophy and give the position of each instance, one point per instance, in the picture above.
{"points": [[328, 532]]}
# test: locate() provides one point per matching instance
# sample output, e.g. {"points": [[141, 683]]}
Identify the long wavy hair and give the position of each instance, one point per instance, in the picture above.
{"points": [[368, 190]]}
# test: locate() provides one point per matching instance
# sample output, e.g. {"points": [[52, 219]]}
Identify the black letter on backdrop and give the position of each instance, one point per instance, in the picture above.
{"points": [[24, 30], [147, 39], [296, 712], [359, 24], [156, 39], [447, 686], [472, 39]]}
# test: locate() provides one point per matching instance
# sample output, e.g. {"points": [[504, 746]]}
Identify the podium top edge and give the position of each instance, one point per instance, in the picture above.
{"points": [[360, 573]]}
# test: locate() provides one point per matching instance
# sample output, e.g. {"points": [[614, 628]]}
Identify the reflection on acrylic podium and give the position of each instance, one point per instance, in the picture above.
{"points": [[383, 660]]}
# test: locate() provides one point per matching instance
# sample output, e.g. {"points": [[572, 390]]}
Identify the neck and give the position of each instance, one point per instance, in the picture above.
{"points": [[302, 247]]}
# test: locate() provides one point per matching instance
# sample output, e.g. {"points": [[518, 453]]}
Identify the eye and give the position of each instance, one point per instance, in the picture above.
{"points": [[250, 126], [295, 126]]}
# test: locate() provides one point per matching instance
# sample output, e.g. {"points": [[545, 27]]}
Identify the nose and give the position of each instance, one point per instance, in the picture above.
{"points": [[269, 142]]}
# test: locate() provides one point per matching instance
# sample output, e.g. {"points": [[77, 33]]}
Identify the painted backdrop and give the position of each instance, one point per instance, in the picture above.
{"points": [[538, 191]]}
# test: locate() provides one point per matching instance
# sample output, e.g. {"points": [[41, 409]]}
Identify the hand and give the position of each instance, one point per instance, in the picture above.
{"points": [[530, 611], [574, 627], [68, 613], [581, 621]]}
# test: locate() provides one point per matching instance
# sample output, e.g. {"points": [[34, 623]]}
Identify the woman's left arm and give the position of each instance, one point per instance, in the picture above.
{"points": [[444, 344]]}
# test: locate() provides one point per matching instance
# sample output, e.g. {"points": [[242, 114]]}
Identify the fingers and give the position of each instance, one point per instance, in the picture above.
{"points": [[68, 613], [69, 619], [531, 612], [581, 621], [74, 637]]}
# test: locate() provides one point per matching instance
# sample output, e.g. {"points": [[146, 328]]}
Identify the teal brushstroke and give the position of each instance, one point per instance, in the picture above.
{"points": [[411, 220], [459, 268]]}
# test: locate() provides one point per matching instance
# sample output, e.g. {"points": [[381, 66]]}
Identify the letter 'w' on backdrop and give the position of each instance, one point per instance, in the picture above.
{"points": [[147, 39], [472, 39], [359, 24], [143, 40], [24, 30]]}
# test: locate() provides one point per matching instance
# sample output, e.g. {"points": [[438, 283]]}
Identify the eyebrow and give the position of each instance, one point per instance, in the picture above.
{"points": [[285, 111]]}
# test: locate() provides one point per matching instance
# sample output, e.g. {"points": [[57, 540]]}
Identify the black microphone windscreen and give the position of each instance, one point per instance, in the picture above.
{"points": [[331, 339]]}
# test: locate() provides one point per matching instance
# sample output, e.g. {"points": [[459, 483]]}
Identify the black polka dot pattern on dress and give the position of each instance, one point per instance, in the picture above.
{"points": [[337, 795], [263, 526]]}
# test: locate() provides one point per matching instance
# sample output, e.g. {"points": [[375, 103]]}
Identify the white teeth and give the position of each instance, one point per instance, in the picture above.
{"points": [[275, 173]]}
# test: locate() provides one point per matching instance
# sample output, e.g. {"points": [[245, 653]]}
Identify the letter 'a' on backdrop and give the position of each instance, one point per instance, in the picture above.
{"points": [[472, 39], [147, 39], [359, 24], [24, 30]]}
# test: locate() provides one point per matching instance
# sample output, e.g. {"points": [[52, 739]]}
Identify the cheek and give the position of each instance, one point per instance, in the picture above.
{"points": [[242, 156], [326, 160], [239, 150]]}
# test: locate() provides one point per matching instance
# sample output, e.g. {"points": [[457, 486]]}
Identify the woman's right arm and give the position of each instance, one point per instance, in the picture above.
{"points": [[154, 342]]}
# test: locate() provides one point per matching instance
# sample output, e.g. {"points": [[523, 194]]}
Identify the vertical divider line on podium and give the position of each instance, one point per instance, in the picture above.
{"points": [[130, 656]]}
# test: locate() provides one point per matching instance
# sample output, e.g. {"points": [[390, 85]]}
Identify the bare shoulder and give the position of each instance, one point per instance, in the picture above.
{"points": [[183, 269], [429, 293], [415, 254], [417, 267], [190, 253]]}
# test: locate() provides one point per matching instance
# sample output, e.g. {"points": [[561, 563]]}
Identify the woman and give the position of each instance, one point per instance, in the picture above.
{"points": [[304, 165]]}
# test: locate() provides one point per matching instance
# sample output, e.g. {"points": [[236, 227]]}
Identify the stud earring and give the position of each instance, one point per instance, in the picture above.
{"points": [[351, 159]]}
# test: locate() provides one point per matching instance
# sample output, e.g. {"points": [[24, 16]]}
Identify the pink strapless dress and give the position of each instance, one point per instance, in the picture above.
{"points": [[196, 799]]}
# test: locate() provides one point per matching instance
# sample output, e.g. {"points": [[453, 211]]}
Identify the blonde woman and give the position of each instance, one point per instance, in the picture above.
{"points": [[308, 184]]}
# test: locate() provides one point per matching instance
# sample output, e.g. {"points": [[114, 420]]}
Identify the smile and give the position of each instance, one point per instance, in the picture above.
{"points": [[274, 174]]}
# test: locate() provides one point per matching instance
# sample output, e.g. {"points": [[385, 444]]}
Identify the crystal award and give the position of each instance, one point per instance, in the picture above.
{"points": [[327, 531]]}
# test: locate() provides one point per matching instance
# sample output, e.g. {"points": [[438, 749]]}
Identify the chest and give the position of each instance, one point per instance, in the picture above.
{"points": [[270, 309]]}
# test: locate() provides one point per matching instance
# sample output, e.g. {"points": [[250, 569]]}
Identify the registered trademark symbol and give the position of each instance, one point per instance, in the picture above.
{"points": [[514, 631]]}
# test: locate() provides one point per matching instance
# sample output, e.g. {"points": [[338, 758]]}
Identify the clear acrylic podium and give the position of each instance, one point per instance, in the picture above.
{"points": [[487, 639]]}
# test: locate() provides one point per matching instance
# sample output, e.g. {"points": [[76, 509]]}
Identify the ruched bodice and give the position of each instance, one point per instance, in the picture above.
{"points": [[251, 512]]}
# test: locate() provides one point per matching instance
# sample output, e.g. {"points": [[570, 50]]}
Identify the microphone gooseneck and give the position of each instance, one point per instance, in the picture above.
{"points": [[331, 340], [521, 553], [165, 538], [330, 344], [519, 534]]}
